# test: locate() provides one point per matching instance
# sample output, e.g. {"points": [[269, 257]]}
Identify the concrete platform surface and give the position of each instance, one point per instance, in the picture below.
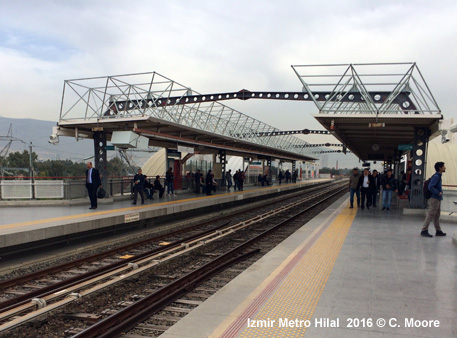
{"points": [[386, 281], [20, 225]]}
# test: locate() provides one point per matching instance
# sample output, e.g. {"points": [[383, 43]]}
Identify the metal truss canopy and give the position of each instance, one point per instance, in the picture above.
{"points": [[120, 100], [375, 126], [379, 142], [372, 88]]}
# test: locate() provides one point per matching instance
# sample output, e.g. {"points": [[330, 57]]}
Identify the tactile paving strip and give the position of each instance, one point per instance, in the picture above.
{"points": [[297, 294]]}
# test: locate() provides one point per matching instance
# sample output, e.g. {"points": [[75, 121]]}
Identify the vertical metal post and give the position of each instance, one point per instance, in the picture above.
{"points": [[223, 159], [31, 170], [421, 136], [270, 173], [100, 156], [396, 165]]}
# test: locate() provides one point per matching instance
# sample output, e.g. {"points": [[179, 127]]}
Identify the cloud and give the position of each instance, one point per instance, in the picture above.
{"points": [[217, 46]]}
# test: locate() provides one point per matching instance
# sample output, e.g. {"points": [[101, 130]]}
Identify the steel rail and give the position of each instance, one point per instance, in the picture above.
{"points": [[58, 268], [182, 247], [127, 318]]}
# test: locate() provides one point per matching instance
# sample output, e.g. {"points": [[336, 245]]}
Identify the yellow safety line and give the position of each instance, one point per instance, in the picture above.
{"points": [[106, 212], [297, 295]]}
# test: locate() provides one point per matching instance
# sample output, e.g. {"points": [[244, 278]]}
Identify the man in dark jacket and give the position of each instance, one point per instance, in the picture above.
{"points": [[138, 186], [434, 210], [389, 184], [375, 189], [366, 187], [198, 181], [209, 182], [158, 186], [93, 182], [354, 187]]}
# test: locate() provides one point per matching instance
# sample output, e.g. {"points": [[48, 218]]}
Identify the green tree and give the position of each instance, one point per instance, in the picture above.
{"points": [[116, 167], [20, 160]]}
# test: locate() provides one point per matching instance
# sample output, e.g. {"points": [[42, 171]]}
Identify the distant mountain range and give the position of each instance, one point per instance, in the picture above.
{"points": [[38, 132]]}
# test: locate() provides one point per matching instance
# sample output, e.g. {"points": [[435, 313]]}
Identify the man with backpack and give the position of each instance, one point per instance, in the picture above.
{"points": [[435, 192]]}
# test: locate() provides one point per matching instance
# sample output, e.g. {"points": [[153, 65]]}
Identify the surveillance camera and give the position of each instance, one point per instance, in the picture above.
{"points": [[444, 140], [53, 139]]}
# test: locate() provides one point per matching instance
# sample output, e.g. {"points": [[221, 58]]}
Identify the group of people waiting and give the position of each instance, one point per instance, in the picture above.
{"points": [[142, 186], [238, 179], [292, 177], [366, 186], [205, 184]]}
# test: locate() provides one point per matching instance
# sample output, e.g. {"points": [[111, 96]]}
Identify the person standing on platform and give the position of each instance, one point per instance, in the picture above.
{"points": [[158, 186], [169, 176], [241, 178], [198, 178], [235, 180], [353, 187], [280, 177], [389, 185], [375, 189], [260, 179], [228, 177], [93, 182], [287, 176], [294, 176], [366, 186], [138, 186], [434, 211], [209, 182]]}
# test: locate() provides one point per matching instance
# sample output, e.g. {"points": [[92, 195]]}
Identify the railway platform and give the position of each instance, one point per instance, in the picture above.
{"points": [[346, 273], [30, 225]]}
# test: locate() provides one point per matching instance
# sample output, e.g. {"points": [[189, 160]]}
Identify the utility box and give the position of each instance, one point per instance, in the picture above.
{"points": [[128, 140]]}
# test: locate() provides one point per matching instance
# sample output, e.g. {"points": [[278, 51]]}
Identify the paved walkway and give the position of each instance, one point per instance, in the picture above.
{"points": [[382, 279]]}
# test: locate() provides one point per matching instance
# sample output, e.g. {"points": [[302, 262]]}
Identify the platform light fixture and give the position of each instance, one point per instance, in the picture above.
{"points": [[376, 125]]}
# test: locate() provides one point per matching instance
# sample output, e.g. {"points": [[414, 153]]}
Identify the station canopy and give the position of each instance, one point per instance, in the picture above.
{"points": [[372, 109], [170, 115]]}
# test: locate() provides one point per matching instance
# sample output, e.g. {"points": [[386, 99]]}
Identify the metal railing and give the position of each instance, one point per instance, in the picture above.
{"points": [[72, 188]]}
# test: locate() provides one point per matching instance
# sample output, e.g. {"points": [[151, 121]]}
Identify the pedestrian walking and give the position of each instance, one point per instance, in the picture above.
{"points": [[138, 186], [389, 184], [354, 187], [434, 211], [375, 188], [366, 186]]}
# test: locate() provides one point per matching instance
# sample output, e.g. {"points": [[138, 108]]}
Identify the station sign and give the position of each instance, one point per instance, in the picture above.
{"points": [[188, 150], [173, 153], [405, 147], [109, 147]]}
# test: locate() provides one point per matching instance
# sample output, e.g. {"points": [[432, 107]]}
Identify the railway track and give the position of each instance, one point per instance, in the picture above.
{"points": [[204, 243]]}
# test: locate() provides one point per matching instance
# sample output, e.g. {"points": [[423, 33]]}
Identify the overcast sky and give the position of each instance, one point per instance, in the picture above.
{"points": [[214, 46]]}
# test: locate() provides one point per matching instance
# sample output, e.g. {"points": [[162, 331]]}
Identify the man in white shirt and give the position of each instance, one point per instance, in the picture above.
{"points": [[366, 185]]}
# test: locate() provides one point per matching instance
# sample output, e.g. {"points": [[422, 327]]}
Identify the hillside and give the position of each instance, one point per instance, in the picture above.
{"points": [[38, 132]]}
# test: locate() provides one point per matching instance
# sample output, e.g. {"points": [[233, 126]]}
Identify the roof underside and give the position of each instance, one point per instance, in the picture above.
{"points": [[376, 143], [169, 135]]}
